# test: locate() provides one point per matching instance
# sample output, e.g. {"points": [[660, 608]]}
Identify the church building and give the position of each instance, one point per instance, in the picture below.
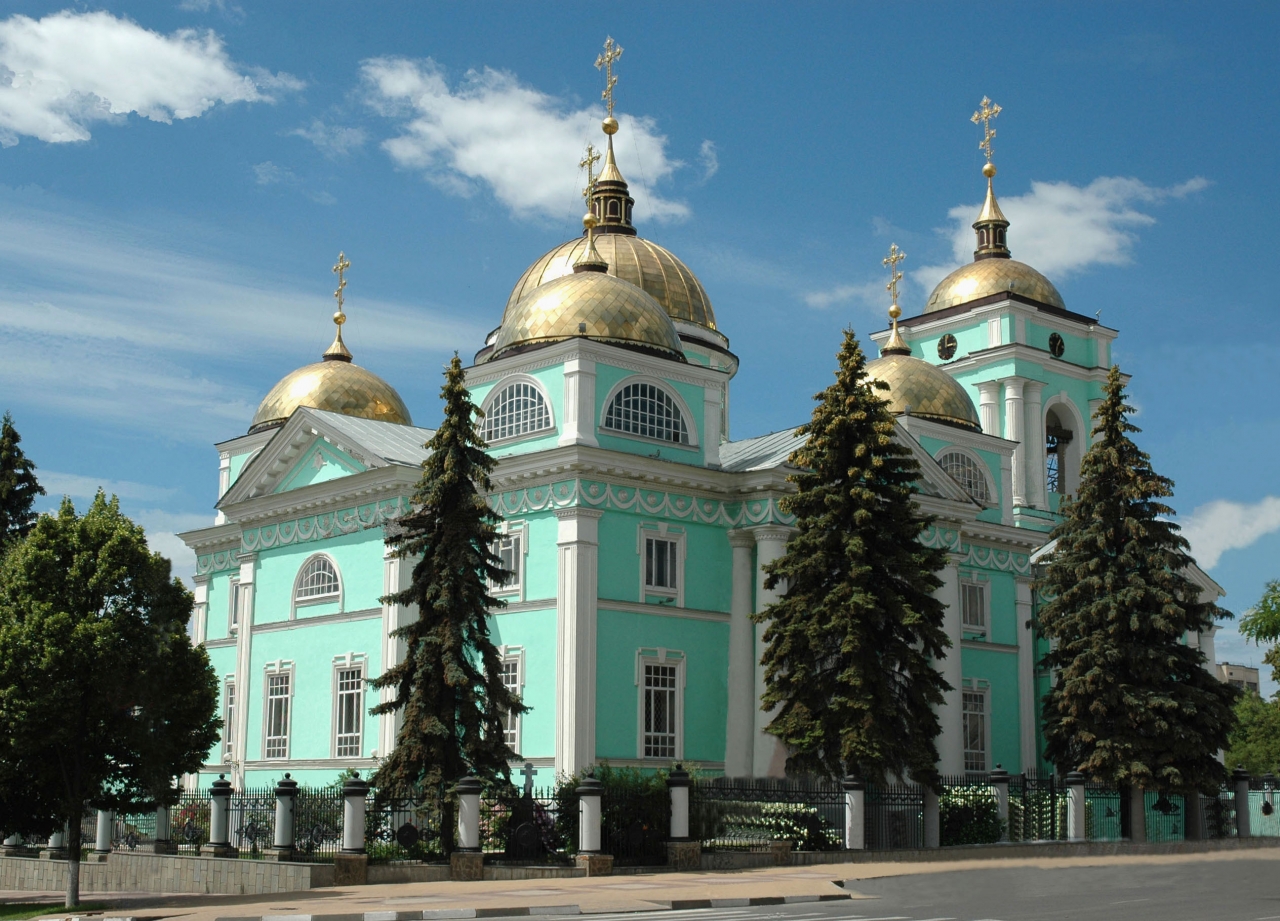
{"points": [[636, 527]]}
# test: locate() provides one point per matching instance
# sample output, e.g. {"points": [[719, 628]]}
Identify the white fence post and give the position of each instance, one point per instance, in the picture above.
{"points": [[219, 820], [932, 827], [102, 843], [285, 837], [1241, 778], [1076, 827], [855, 814], [354, 794], [469, 813], [1000, 781], [589, 793], [678, 785]]}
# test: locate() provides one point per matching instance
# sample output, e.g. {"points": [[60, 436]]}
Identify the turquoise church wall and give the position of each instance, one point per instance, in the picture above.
{"points": [[332, 465], [535, 631], [359, 561], [607, 377], [1000, 669], [551, 380]]}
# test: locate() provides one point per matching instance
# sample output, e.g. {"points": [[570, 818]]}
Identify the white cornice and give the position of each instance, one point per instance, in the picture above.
{"points": [[919, 323], [356, 489], [608, 604], [978, 441], [602, 353], [1018, 352], [209, 539]]}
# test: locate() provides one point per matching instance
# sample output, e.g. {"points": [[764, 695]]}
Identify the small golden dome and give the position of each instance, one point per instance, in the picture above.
{"points": [[643, 263], [336, 386], [593, 305], [921, 389], [993, 276]]}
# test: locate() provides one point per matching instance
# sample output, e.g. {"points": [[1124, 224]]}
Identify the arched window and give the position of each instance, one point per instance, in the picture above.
{"points": [[518, 409], [1057, 446], [968, 473], [318, 579], [646, 410]]}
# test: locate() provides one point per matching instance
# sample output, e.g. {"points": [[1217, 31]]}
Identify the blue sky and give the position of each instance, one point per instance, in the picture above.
{"points": [[177, 178]]}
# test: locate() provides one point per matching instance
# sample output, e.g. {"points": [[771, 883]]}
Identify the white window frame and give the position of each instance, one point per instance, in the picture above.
{"points": [[229, 704], [514, 655], [690, 428], [234, 603], [275, 670], [518, 530], [352, 660], [661, 530], [660, 656], [984, 584], [983, 690], [296, 602], [993, 497], [503, 385]]}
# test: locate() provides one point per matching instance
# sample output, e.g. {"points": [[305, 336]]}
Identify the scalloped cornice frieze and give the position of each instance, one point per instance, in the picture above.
{"points": [[979, 555]]}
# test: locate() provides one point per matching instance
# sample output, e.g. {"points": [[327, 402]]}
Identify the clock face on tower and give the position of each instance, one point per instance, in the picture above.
{"points": [[947, 347], [1056, 345]]}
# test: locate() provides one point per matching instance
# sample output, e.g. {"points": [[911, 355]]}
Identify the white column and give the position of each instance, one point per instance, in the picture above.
{"points": [[245, 685], [1028, 704], [743, 700], [1006, 490], [1013, 416], [578, 423], [397, 574], [989, 407], [224, 483], [711, 426], [576, 638], [1033, 400], [200, 612], [102, 841], [951, 739], [769, 756]]}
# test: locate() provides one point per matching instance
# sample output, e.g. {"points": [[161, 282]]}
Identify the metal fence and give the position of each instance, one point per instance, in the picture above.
{"points": [[750, 814], [635, 825], [895, 816]]}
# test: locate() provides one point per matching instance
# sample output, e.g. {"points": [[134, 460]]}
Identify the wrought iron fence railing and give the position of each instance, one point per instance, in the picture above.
{"points": [[750, 814]]}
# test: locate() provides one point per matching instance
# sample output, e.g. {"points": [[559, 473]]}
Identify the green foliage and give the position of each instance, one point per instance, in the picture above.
{"points": [[851, 645], [1262, 625], [18, 486], [449, 685], [966, 818], [1134, 704], [630, 796], [730, 824], [1255, 741], [103, 699]]}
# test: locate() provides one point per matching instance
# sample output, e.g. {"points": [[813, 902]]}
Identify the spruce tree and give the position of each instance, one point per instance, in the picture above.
{"points": [[18, 486], [449, 685], [1133, 705], [850, 646]]}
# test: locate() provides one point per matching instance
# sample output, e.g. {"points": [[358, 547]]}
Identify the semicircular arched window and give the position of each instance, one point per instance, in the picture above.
{"points": [[965, 470], [518, 409], [318, 579], [648, 411]]}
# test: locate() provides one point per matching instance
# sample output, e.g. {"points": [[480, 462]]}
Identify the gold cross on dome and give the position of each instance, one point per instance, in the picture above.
{"points": [[340, 268], [587, 163], [984, 116], [895, 256], [611, 53]]}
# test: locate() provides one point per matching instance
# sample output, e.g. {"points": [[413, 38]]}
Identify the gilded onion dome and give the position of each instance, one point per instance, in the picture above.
{"points": [[917, 388]]}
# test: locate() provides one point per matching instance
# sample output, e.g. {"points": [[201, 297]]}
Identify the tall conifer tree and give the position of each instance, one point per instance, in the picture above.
{"points": [[18, 486], [1134, 705], [850, 645], [450, 682]]}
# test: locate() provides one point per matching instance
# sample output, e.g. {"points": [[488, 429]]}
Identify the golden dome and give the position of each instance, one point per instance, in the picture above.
{"points": [[643, 263], [590, 304], [993, 276], [336, 386], [921, 389]]}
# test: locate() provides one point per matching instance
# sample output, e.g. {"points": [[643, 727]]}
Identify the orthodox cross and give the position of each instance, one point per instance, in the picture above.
{"points": [[587, 163], [611, 53], [339, 269], [529, 772], [984, 116], [895, 256]]}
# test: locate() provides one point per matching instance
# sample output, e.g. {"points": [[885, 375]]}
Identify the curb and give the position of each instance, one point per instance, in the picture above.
{"points": [[445, 914]]}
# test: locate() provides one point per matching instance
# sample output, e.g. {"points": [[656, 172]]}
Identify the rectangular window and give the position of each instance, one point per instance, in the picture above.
{"points": [[975, 731], [973, 605], [233, 612], [510, 721], [660, 712], [507, 549], [349, 718], [229, 720], [277, 715], [660, 564]]}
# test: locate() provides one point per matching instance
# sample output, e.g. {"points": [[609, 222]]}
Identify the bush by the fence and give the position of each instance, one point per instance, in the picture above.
{"points": [[968, 819]]}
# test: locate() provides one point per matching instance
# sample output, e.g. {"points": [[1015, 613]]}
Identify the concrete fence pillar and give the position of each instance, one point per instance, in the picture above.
{"points": [[354, 794], [855, 814], [590, 791], [162, 841], [1137, 815], [285, 837], [1076, 828], [56, 849], [1193, 822], [469, 813], [11, 846], [219, 820], [932, 822], [1241, 779], [1000, 782], [678, 786], [102, 842]]}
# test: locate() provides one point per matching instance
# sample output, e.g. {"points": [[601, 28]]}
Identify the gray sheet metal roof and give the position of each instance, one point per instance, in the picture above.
{"points": [[763, 452], [396, 444]]}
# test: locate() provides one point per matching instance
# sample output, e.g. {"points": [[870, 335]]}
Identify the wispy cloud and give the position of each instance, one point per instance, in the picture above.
{"points": [[268, 173], [331, 140], [709, 159], [1062, 228], [62, 73], [491, 130], [869, 295], [1219, 526], [86, 487]]}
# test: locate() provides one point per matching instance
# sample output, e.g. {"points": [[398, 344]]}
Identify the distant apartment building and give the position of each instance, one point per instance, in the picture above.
{"points": [[1239, 676]]}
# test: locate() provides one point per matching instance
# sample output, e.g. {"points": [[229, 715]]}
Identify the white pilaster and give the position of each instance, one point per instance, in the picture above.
{"points": [[397, 574], [711, 426], [245, 685], [769, 756], [576, 598], [1006, 489], [1028, 704], [200, 611], [989, 407], [741, 727], [579, 423], [1013, 418], [1032, 394], [1207, 646], [224, 482], [951, 739], [993, 332]]}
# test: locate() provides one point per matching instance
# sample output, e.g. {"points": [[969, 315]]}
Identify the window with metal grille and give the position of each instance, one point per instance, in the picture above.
{"points": [[350, 712], [659, 711], [277, 715], [318, 579], [973, 605], [511, 721], [646, 410], [660, 564], [518, 410], [975, 730], [229, 720], [966, 471], [507, 549]]}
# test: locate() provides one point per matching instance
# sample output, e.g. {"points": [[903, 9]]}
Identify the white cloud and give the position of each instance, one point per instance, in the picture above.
{"points": [[1061, 228], [709, 159], [520, 142], [1219, 526], [269, 174], [230, 10], [331, 140], [60, 74], [868, 294], [86, 487]]}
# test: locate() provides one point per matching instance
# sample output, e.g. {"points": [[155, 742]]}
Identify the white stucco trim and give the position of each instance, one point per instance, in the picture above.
{"points": [[665, 386], [502, 385]]}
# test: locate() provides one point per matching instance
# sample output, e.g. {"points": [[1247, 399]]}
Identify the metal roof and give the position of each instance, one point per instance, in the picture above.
{"points": [[763, 452], [394, 443]]}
